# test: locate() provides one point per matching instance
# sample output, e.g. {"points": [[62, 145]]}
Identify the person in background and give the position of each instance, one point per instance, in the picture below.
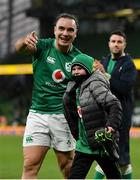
{"points": [[93, 113], [46, 126], [122, 79]]}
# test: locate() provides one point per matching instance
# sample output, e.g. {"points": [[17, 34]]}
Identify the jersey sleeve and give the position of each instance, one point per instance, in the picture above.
{"points": [[41, 45]]}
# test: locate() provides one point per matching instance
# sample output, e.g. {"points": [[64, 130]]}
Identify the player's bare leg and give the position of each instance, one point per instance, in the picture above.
{"points": [[65, 160], [33, 158]]}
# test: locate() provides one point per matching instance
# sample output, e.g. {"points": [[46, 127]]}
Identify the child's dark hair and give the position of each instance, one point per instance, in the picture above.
{"points": [[69, 16], [118, 32]]}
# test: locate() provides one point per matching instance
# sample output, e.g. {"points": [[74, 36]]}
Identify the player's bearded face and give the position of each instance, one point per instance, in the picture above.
{"points": [[117, 44], [65, 32]]}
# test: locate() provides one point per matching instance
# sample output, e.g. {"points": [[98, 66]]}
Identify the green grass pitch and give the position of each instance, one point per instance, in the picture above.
{"points": [[11, 160]]}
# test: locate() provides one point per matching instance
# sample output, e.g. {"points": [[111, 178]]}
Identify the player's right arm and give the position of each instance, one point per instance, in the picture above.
{"points": [[27, 44]]}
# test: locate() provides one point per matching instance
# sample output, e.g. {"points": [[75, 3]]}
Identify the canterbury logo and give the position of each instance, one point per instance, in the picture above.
{"points": [[50, 60]]}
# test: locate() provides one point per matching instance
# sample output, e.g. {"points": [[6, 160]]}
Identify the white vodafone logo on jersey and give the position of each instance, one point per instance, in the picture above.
{"points": [[58, 75]]}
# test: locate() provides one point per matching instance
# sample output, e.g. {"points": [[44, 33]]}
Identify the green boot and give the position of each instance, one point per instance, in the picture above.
{"points": [[98, 175], [126, 171], [127, 176]]}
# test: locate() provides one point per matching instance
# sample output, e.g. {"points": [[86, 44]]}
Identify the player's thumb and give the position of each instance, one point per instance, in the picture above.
{"points": [[34, 34]]}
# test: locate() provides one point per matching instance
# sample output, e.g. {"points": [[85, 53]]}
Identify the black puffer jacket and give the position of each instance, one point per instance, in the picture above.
{"points": [[100, 108]]}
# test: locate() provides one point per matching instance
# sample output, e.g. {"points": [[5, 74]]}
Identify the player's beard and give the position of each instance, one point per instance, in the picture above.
{"points": [[117, 55]]}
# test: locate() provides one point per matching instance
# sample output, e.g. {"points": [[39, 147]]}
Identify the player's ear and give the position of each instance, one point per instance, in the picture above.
{"points": [[125, 44], [54, 29]]}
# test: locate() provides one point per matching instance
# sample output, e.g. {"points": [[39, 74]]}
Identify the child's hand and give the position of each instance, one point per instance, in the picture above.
{"points": [[109, 129]]}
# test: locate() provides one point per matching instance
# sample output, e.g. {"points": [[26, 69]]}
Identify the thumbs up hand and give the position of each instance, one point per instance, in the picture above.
{"points": [[34, 36], [30, 41]]}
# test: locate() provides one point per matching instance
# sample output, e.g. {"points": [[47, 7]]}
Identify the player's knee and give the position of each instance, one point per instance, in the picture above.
{"points": [[31, 166], [66, 166]]}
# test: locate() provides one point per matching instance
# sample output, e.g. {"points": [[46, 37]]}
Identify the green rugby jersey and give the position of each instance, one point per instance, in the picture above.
{"points": [[111, 66], [51, 73]]}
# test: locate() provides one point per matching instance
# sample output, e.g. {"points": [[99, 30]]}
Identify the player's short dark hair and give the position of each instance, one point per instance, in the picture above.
{"points": [[69, 16], [118, 32]]}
